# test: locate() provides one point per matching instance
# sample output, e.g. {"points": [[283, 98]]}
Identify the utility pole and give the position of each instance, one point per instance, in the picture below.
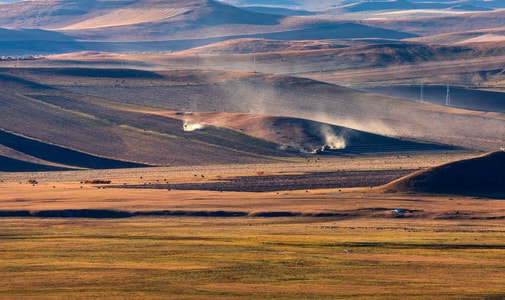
{"points": [[421, 96]]}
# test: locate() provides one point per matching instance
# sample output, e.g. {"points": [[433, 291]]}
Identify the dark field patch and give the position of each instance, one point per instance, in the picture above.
{"points": [[400, 245], [101, 73], [117, 214], [308, 181]]}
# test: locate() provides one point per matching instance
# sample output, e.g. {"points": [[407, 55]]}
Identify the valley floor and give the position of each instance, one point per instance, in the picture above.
{"points": [[64, 238]]}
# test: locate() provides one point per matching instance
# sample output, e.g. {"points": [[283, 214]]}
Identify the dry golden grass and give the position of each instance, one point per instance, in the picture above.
{"points": [[192, 258], [444, 247]]}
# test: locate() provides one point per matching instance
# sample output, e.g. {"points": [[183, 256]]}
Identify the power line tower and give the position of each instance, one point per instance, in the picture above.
{"points": [[447, 97]]}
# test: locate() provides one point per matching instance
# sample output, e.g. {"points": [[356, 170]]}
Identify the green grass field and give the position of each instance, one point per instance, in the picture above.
{"points": [[250, 258]]}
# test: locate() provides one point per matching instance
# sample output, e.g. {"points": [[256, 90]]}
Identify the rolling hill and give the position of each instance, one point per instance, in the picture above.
{"points": [[149, 25], [221, 91], [482, 176], [95, 14], [80, 123], [454, 23], [121, 117], [464, 37], [376, 5], [24, 42], [362, 52], [307, 136], [241, 74], [260, 45], [398, 5]]}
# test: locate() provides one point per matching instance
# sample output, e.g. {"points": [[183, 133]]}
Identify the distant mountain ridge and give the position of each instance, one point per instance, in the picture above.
{"points": [[404, 5], [360, 5], [66, 13], [48, 27]]}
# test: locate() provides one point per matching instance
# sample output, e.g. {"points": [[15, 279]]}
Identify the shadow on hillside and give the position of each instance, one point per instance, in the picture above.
{"points": [[482, 176], [466, 98], [101, 73], [8, 164], [5, 78], [56, 154]]}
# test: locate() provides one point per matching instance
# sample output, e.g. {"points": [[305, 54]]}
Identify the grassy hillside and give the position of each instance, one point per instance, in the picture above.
{"points": [[96, 126], [423, 26], [255, 93], [338, 55], [140, 116], [481, 176], [70, 15], [308, 136]]}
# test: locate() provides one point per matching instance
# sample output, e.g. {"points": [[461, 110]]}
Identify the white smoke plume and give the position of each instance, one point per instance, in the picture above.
{"points": [[332, 141], [192, 126]]}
